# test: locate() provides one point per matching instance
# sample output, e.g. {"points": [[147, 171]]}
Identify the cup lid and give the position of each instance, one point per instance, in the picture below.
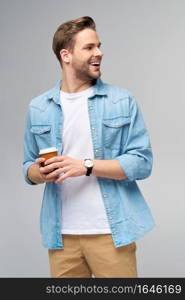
{"points": [[47, 150]]}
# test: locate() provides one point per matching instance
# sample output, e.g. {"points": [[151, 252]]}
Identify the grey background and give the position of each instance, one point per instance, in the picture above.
{"points": [[144, 48]]}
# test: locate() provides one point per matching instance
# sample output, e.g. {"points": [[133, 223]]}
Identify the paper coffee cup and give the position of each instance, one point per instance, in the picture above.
{"points": [[48, 153]]}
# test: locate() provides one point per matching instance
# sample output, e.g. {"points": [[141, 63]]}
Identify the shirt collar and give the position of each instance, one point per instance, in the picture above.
{"points": [[99, 88]]}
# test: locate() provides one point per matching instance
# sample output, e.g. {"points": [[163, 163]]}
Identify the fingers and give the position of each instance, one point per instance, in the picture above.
{"points": [[39, 160], [53, 166], [56, 159], [45, 170], [55, 175], [57, 172], [63, 177], [49, 180], [56, 166]]}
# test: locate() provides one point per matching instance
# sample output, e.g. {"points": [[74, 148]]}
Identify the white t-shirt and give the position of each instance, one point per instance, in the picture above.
{"points": [[82, 208]]}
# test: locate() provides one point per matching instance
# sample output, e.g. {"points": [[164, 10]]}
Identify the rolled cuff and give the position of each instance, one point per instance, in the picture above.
{"points": [[25, 171], [134, 167]]}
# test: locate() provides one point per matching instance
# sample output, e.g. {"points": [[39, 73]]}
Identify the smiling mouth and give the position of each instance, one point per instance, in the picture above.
{"points": [[95, 63]]}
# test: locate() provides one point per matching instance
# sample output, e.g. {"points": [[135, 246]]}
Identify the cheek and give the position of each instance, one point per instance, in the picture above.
{"points": [[79, 62], [82, 64], [84, 57]]}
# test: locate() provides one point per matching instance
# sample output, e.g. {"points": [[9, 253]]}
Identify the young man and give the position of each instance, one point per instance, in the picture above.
{"points": [[92, 211]]}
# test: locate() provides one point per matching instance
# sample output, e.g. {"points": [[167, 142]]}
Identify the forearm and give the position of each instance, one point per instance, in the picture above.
{"points": [[34, 174], [108, 169]]}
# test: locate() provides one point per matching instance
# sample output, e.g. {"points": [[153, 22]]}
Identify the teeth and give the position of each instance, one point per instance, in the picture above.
{"points": [[95, 64]]}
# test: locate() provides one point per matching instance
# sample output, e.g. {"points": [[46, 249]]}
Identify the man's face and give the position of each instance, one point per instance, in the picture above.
{"points": [[86, 56]]}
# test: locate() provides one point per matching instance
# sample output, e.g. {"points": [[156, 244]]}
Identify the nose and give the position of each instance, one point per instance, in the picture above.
{"points": [[98, 52]]}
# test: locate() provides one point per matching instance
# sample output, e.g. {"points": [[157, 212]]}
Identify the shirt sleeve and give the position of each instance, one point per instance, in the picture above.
{"points": [[137, 159], [30, 149]]}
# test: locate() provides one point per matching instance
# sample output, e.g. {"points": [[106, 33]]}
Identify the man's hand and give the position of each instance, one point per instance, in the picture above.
{"points": [[65, 165], [42, 171]]}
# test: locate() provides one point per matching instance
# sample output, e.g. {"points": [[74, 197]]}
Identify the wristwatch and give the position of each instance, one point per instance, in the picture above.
{"points": [[88, 163]]}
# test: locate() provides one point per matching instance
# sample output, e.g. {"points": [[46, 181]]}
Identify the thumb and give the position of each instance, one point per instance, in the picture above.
{"points": [[39, 160]]}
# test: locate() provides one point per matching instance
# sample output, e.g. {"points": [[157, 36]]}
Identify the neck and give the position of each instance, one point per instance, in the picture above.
{"points": [[71, 84]]}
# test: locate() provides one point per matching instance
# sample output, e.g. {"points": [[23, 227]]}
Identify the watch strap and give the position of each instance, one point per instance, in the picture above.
{"points": [[89, 171]]}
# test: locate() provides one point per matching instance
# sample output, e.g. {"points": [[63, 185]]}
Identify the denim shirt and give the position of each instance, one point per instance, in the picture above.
{"points": [[118, 132]]}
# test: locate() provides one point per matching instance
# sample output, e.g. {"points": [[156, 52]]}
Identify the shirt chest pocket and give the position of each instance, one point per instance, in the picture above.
{"points": [[42, 135], [115, 132]]}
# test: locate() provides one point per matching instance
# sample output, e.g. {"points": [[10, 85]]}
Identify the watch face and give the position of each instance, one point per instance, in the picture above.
{"points": [[88, 163]]}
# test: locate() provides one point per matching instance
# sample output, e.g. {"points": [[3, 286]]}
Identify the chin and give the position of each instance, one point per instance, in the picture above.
{"points": [[95, 76]]}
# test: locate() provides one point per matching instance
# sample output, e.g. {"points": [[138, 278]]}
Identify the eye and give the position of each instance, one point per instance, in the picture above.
{"points": [[89, 48]]}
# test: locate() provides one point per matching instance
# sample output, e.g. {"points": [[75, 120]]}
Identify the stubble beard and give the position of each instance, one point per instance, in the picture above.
{"points": [[84, 74]]}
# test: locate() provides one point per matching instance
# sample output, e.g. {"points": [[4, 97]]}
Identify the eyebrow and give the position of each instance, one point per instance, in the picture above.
{"points": [[92, 44]]}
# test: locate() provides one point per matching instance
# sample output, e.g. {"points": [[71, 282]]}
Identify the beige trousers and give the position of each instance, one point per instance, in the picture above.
{"points": [[94, 255]]}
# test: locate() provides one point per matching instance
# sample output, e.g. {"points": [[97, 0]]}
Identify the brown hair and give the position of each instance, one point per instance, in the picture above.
{"points": [[64, 36]]}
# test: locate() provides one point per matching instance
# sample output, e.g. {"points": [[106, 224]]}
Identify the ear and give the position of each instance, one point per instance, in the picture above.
{"points": [[64, 54]]}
